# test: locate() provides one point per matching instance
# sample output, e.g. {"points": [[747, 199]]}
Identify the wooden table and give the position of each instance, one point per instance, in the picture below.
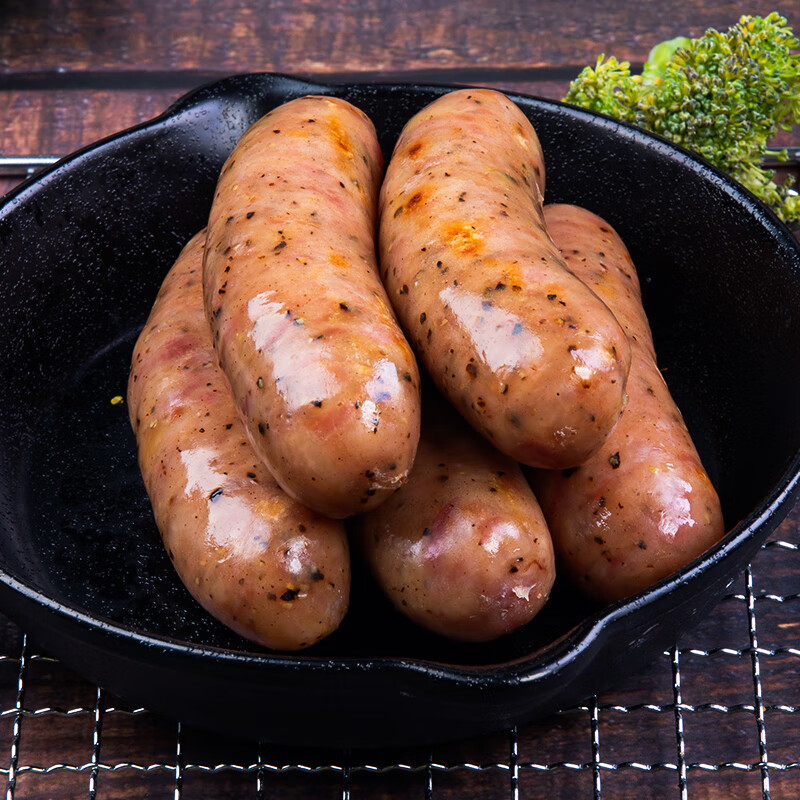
{"points": [[718, 716]]}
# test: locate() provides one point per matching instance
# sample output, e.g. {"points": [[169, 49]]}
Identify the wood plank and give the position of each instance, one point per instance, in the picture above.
{"points": [[60, 122], [44, 122], [59, 38]]}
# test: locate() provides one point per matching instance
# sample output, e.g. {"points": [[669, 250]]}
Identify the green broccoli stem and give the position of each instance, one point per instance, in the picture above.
{"points": [[656, 65]]}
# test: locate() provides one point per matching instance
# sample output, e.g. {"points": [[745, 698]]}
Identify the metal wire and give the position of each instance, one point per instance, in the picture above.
{"points": [[178, 765], [98, 728], [346, 780], [17, 731], [757, 687], [679, 729], [595, 728], [24, 166], [513, 763], [260, 785], [429, 777]]}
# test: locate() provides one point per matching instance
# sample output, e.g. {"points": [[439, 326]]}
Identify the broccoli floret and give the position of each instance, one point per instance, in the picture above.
{"points": [[724, 95], [608, 88]]}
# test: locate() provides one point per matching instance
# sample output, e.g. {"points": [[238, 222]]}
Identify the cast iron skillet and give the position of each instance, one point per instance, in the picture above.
{"points": [[84, 249]]}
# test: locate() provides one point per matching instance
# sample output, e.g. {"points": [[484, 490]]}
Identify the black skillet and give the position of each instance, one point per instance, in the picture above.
{"points": [[83, 249]]}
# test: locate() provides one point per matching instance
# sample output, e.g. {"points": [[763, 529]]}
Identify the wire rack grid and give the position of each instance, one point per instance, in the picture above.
{"points": [[718, 715]]}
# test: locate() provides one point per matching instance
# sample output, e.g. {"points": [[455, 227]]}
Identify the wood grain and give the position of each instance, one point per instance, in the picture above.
{"points": [[42, 122], [307, 36]]}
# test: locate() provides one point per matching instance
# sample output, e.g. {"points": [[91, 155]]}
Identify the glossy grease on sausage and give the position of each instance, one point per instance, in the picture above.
{"points": [[271, 569], [462, 548], [320, 370], [527, 353], [643, 506]]}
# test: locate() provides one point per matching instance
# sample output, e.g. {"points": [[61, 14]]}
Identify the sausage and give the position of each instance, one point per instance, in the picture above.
{"points": [[528, 354], [462, 549], [643, 506], [322, 375], [271, 569]]}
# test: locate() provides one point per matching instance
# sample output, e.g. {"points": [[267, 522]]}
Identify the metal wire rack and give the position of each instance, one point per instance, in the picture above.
{"points": [[717, 716], [723, 705]]}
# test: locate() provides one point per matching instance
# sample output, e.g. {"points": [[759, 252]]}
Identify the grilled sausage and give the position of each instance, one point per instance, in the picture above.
{"points": [[462, 548], [320, 370], [643, 506], [266, 566], [529, 355]]}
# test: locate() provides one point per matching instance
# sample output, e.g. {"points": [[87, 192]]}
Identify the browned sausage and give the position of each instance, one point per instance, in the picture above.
{"points": [[643, 506], [267, 567], [462, 549], [521, 347], [321, 373]]}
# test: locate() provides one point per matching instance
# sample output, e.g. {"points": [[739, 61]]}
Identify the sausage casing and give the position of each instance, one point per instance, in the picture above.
{"points": [[271, 569], [528, 354], [462, 548], [643, 506], [320, 370]]}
